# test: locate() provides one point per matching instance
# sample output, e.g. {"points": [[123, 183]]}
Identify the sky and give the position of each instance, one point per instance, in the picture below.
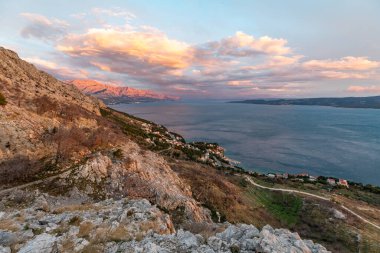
{"points": [[203, 49]]}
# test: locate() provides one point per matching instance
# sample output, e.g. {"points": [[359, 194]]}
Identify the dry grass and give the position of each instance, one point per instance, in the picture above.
{"points": [[85, 229], [219, 192], [93, 248], [9, 225], [119, 234], [205, 229], [67, 246]]}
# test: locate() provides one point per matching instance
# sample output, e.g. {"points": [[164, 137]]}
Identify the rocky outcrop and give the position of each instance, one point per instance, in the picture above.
{"points": [[118, 94], [133, 226], [138, 175]]}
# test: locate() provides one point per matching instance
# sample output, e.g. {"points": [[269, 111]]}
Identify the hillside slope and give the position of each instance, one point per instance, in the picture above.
{"points": [[49, 127]]}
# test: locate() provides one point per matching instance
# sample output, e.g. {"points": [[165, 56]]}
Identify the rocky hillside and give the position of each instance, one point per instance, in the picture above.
{"points": [[68, 163], [125, 225], [112, 94]]}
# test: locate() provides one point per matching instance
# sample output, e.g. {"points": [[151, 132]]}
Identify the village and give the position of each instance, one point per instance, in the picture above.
{"points": [[209, 153], [305, 177]]}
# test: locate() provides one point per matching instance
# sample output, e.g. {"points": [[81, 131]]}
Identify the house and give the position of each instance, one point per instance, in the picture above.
{"points": [[284, 175], [312, 178], [343, 182], [270, 175], [331, 181], [302, 175]]}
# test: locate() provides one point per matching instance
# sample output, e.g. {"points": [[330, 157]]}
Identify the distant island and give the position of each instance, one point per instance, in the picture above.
{"points": [[346, 102]]}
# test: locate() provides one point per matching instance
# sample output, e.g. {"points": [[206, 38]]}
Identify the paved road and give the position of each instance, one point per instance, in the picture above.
{"points": [[314, 196]]}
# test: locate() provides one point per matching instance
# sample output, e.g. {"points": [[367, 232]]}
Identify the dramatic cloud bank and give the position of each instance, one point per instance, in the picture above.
{"points": [[239, 65]]}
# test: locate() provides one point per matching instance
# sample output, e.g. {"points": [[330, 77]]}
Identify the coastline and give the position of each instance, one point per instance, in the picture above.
{"points": [[214, 154]]}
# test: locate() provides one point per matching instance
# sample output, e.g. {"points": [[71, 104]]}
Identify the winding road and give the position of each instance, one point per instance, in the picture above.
{"points": [[314, 196]]}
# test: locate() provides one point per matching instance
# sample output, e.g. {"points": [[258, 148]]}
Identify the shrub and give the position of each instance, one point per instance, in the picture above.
{"points": [[85, 229], [18, 169], [75, 221], [45, 104], [118, 154], [3, 101]]}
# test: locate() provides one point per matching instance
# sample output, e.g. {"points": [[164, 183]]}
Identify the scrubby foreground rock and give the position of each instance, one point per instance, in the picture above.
{"points": [[129, 226]]}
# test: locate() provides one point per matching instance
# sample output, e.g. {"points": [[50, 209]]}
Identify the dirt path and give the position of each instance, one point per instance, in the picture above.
{"points": [[314, 196], [34, 182]]}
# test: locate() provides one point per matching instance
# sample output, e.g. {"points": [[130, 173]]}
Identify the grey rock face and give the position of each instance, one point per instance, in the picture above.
{"points": [[134, 226], [5, 249], [43, 243]]}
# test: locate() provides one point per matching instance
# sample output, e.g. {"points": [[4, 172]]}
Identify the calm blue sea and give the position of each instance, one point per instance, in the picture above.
{"points": [[339, 142]]}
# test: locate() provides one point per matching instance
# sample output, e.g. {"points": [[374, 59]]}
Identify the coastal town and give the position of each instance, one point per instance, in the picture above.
{"points": [[305, 177]]}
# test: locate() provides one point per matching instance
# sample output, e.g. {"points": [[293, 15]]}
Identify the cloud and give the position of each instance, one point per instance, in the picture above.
{"points": [[364, 89], [62, 72], [41, 27], [123, 48], [240, 65], [113, 12], [345, 63], [244, 45]]}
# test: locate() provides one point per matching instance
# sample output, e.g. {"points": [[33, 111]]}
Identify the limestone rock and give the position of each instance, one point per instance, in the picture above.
{"points": [[43, 243]]}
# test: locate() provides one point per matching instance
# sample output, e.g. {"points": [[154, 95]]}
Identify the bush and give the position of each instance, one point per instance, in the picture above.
{"points": [[3, 101], [118, 154], [18, 169], [45, 104]]}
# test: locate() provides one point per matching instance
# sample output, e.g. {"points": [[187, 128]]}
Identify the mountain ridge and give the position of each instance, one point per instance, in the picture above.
{"points": [[111, 93]]}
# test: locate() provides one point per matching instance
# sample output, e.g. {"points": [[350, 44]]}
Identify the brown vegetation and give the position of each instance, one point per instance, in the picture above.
{"points": [[3, 101], [219, 192], [20, 169]]}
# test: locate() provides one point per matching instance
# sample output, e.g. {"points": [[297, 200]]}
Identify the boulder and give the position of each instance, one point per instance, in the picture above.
{"points": [[43, 243]]}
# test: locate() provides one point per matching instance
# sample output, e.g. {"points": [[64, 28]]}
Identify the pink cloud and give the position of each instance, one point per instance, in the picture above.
{"points": [[367, 89], [145, 47], [345, 63], [42, 27], [58, 70], [242, 44]]}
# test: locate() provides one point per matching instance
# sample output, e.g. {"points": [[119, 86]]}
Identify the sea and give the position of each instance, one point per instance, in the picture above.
{"points": [[337, 142]]}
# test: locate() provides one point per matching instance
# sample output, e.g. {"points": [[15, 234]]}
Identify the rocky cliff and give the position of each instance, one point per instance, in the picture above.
{"points": [[112, 94]]}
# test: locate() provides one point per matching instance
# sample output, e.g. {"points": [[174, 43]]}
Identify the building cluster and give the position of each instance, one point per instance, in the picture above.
{"points": [[305, 177], [210, 153]]}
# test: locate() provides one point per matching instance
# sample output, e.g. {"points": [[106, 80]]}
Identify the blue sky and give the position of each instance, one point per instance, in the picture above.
{"points": [[220, 49]]}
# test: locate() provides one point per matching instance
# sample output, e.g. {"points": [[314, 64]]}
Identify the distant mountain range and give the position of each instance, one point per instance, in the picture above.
{"points": [[346, 102], [113, 94]]}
